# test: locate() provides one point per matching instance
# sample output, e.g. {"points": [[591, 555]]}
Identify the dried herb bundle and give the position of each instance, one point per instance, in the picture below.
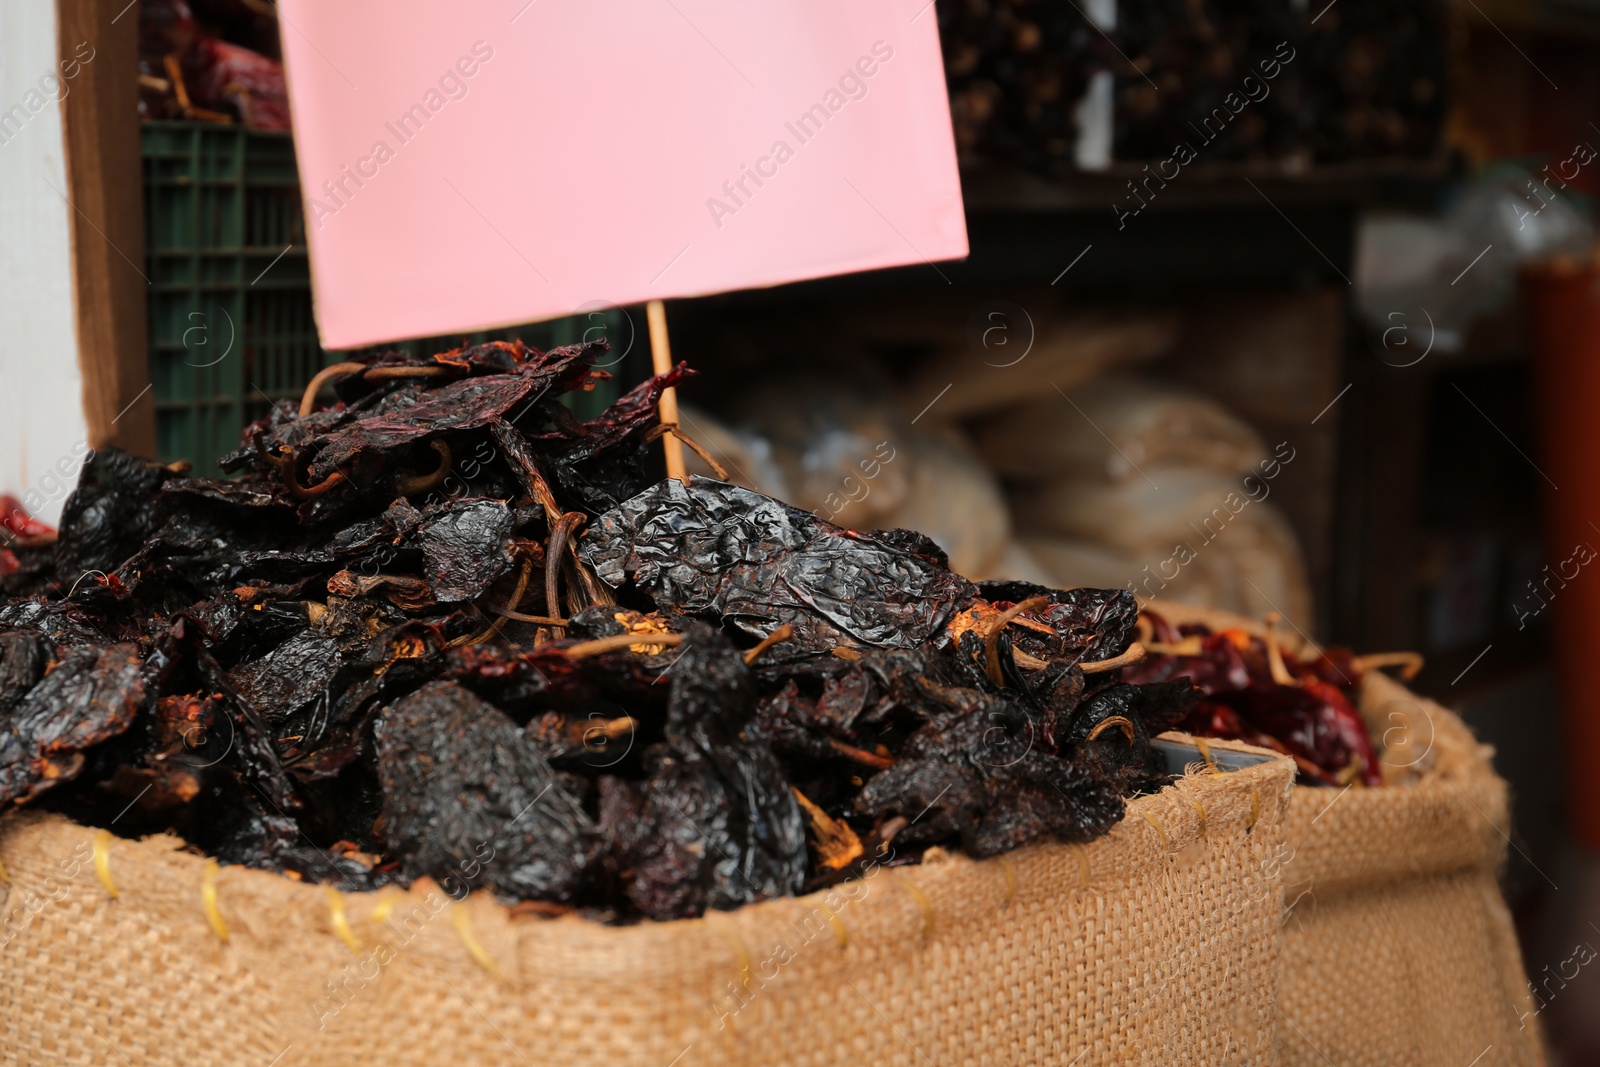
{"points": [[443, 628]]}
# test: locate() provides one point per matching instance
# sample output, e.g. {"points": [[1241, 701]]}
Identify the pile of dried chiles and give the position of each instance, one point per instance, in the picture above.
{"points": [[1254, 692], [444, 628]]}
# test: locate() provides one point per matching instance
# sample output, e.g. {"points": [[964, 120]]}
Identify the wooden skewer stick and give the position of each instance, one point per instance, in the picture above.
{"points": [[661, 362]]}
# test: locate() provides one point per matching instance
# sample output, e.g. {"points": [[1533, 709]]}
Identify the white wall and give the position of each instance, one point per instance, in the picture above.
{"points": [[42, 427]]}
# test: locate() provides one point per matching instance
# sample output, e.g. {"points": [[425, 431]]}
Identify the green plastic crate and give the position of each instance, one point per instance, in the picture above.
{"points": [[230, 319], [221, 204]]}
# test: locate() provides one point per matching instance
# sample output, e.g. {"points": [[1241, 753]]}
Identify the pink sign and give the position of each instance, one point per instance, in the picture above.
{"points": [[482, 163]]}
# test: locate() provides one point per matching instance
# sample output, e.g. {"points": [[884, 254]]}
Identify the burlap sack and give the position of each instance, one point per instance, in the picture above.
{"points": [[1398, 947], [1156, 944]]}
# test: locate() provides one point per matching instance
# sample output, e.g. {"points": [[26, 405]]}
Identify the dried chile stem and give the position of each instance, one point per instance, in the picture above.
{"points": [[1280, 671], [837, 844], [366, 584], [861, 755], [540, 620], [1312, 772], [421, 483], [175, 79], [845, 653], [555, 549], [991, 640], [601, 645], [1410, 663], [569, 592], [1189, 646], [677, 431], [596, 591], [271, 459], [522, 463], [716, 468], [543, 496], [523, 576], [181, 91], [782, 633], [1134, 654], [612, 729], [309, 400], [314, 491], [887, 832], [1109, 722]]}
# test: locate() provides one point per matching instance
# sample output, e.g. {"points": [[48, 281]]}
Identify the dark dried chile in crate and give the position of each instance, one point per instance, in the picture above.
{"points": [[344, 663]]}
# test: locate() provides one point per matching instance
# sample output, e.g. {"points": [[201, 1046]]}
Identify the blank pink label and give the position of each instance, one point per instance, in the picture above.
{"points": [[482, 163]]}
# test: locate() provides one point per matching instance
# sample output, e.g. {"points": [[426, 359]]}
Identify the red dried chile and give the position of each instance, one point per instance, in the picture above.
{"points": [[1310, 718]]}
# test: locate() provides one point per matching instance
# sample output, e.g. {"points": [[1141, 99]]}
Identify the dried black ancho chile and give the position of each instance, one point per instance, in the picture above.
{"points": [[466, 548], [460, 783], [716, 550], [90, 696], [720, 825]]}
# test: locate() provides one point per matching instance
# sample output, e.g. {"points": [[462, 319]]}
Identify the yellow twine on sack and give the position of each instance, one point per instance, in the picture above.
{"points": [[840, 934], [1011, 879], [731, 936], [5, 875], [341, 922], [1151, 819], [1205, 753], [1255, 808], [208, 901], [462, 921], [922, 902], [1200, 811], [1083, 866], [385, 905], [102, 861], [741, 956]]}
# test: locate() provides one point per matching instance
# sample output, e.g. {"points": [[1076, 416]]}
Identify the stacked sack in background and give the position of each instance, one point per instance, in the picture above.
{"points": [[1117, 479], [1133, 480]]}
